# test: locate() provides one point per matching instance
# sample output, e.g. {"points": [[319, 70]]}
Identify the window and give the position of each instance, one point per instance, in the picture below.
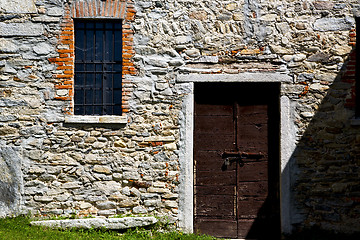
{"points": [[357, 71], [98, 68]]}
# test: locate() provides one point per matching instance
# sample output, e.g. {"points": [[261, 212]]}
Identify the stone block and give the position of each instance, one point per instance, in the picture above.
{"points": [[119, 143], [55, 12], [98, 145], [11, 181], [145, 50], [139, 209], [300, 26], [339, 187], [170, 147], [199, 15], [102, 169], [43, 48], [341, 50], [7, 46], [61, 197], [8, 118], [323, 5], [158, 190], [76, 139], [238, 17], [152, 203], [70, 185], [283, 27], [107, 213], [269, 17], [7, 131], [281, 50], [333, 24], [85, 205], [299, 57], [305, 77], [127, 203], [36, 170], [108, 187], [46, 19], [171, 204], [18, 6], [117, 176], [96, 198], [131, 175], [157, 62], [146, 196], [21, 29], [43, 198], [89, 223], [53, 115], [171, 196], [160, 139], [90, 140], [183, 39], [319, 57], [34, 154], [106, 205]]}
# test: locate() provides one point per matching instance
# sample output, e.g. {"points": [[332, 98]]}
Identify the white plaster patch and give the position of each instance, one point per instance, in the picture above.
{"points": [[18, 6]]}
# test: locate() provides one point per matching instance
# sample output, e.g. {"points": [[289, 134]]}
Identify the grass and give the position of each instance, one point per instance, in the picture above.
{"points": [[19, 228]]}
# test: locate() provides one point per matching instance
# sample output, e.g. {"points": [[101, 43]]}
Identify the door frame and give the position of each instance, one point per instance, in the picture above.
{"points": [[186, 160]]}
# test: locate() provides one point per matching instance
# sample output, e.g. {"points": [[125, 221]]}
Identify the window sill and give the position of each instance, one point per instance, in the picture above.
{"points": [[96, 119]]}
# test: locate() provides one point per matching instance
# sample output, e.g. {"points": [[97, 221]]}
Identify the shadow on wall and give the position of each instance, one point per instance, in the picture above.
{"points": [[324, 168]]}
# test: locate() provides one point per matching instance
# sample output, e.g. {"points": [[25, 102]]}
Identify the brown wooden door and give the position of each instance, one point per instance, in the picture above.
{"points": [[236, 197]]}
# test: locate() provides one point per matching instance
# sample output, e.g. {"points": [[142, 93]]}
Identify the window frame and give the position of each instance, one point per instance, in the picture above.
{"points": [[357, 71], [98, 68]]}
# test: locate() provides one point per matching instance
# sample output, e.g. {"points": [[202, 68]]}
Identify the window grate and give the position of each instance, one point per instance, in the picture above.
{"points": [[98, 68], [357, 72]]}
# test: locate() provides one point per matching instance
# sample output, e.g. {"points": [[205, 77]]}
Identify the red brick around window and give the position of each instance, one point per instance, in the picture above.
{"points": [[350, 72], [109, 9]]}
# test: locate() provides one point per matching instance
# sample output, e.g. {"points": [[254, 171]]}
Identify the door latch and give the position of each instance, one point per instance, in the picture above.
{"points": [[229, 160], [230, 157]]}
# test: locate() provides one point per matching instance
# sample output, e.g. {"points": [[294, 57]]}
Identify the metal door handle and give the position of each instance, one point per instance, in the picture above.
{"points": [[246, 155], [229, 160]]}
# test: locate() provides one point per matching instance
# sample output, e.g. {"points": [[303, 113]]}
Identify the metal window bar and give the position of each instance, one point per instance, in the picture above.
{"points": [[357, 71], [98, 68]]}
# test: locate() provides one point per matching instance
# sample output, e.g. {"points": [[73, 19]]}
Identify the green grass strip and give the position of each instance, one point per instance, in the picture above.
{"points": [[19, 228]]}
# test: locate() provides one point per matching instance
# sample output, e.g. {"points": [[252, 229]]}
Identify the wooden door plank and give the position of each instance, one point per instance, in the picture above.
{"points": [[252, 136], [214, 124], [213, 110], [216, 227], [246, 229], [215, 190], [250, 207], [254, 189], [216, 206], [253, 171], [218, 179], [213, 142], [217, 132], [211, 161]]}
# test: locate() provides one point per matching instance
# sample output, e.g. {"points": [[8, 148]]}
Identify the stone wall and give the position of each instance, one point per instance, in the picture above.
{"points": [[108, 169], [310, 41]]}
